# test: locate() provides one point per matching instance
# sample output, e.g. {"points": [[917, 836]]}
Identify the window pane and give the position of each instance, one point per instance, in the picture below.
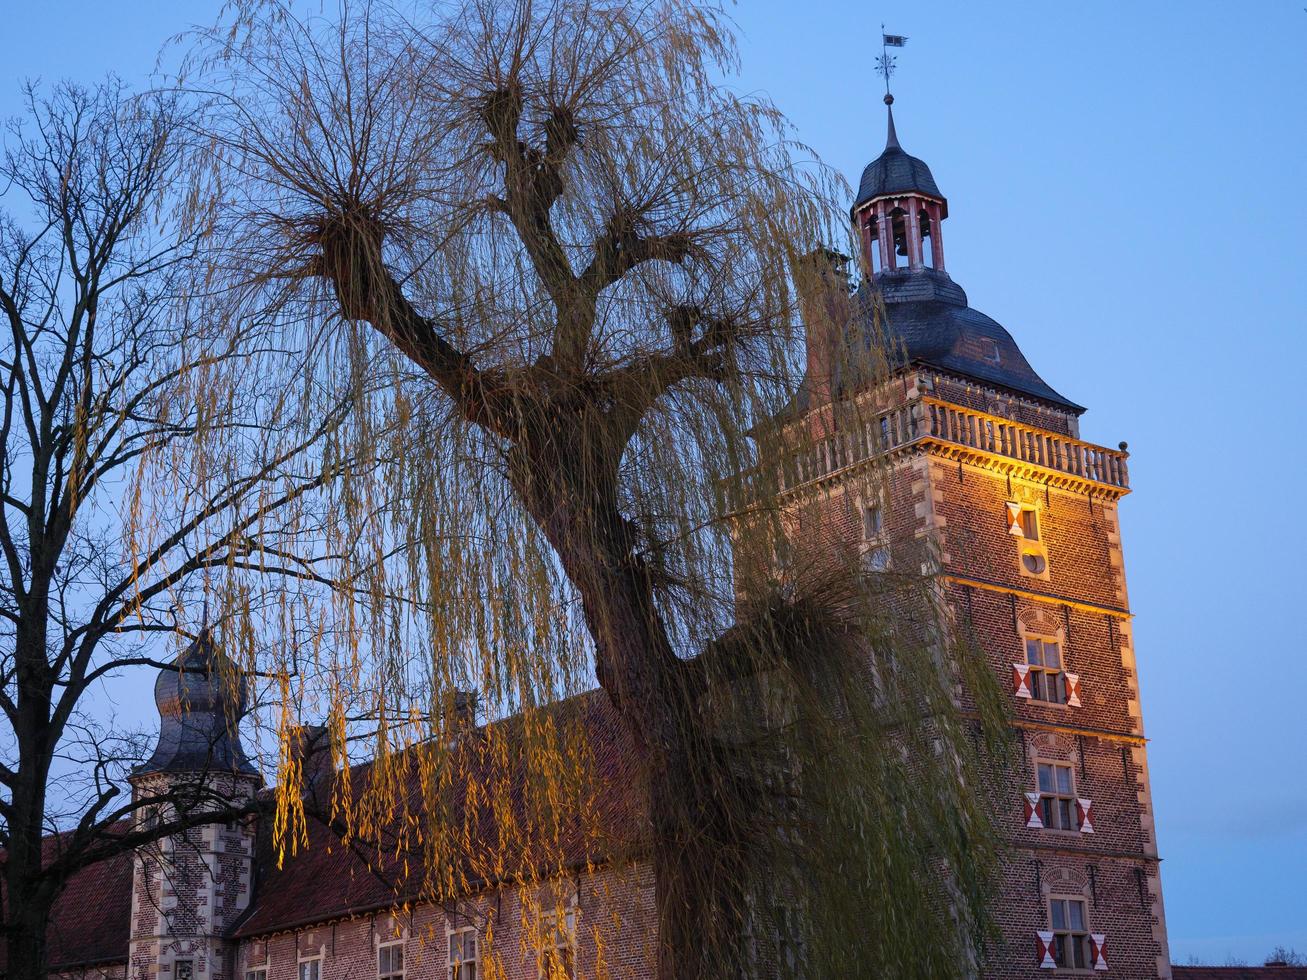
{"points": [[1030, 525], [1064, 814], [1047, 805], [1078, 947], [1033, 653], [1077, 910], [1064, 780], [1059, 913], [1052, 656], [1045, 778], [1058, 683]]}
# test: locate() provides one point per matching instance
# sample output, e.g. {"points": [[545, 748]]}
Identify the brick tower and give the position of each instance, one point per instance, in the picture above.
{"points": [[188, 890], [986, 484]]}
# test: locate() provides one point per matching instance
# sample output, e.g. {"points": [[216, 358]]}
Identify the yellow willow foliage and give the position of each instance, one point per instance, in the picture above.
{"points": [[528, 278]]}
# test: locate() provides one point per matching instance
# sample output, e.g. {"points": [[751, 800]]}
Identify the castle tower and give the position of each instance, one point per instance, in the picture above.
{"points": [[984, 482], [188, 889]]}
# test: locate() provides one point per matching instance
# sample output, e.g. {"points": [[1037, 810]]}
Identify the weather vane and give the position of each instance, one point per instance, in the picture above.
{"points": [[885, 64]]}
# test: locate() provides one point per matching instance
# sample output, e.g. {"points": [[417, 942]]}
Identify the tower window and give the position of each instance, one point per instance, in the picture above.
{"points": [[1047, 682], [311, 969], [1057, 798], [873, 522], [989, 350], [1029, 524], [183, 970], [1070, 933]]}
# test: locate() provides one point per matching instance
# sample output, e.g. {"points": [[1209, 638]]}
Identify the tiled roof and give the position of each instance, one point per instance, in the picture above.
{"points": [[90, 922], [327, 880], [1275, 972], [330, 880]]}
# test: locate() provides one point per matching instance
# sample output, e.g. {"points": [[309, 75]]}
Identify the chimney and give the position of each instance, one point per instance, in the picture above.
{"points": [[310, 747], [822, 280], [464, 711]]}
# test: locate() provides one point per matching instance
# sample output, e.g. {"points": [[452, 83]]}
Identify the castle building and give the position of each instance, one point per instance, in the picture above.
{"points": [[985, 485]]}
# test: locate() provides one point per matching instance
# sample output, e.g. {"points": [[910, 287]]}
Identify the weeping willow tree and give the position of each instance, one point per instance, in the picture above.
{"points": [[554, 252]]}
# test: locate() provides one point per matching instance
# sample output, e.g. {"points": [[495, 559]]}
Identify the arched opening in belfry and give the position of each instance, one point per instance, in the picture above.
{"points": [[871, 241], [899, 252], [927, 239]]}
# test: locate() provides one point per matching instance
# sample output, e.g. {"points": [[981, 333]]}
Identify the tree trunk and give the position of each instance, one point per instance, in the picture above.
{"points": [[701, 928]]}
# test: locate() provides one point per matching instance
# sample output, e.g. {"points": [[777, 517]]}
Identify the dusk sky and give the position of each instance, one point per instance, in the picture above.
{"points": [[1125, 186]]}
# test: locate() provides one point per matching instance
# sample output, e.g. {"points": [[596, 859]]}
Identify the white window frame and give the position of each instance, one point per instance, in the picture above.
{"points": [[563, 938], [386, 946], [256, 972], [1040, 674], [304, 961], [874, 550], [459, 970], [1071, 939], [1050, 800]]}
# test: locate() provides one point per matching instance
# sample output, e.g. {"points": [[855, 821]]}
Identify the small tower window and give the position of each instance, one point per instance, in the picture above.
{"points": [[873, 522], [989, 350], [1029, 524]]}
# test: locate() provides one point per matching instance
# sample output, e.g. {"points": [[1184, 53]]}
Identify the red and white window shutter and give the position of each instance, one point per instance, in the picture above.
{"points": [[1021, 680], [1033, 820], [1044, 943], [1073, 690], [1085, 815], [1014, 519], [1098, 950]]}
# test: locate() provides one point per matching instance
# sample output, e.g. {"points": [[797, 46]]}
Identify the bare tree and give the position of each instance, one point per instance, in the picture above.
{"points": [[567, 246], [139, 469]]}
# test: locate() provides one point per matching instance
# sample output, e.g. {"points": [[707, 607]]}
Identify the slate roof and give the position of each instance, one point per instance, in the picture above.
{"points": [[199, 704], [929, 322], [896, 172], [90, 922]]}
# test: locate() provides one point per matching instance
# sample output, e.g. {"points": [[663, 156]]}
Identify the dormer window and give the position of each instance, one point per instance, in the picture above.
{"points": [[989, 350]]}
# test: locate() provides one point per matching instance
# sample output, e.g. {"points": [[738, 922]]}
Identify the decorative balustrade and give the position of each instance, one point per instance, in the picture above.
{"points": [[928, 420], [1028, 444]]}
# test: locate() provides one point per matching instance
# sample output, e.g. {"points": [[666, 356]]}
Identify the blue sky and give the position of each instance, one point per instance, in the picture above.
{"points": [[1125, 187]]}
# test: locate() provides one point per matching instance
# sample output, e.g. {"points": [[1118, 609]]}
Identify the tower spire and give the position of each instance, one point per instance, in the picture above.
{"points": [[891, 138]]}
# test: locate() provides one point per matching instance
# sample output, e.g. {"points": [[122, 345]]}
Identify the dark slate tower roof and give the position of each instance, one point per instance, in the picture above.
{"points": [[896, 172], [929, 320], [200, 703]]}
